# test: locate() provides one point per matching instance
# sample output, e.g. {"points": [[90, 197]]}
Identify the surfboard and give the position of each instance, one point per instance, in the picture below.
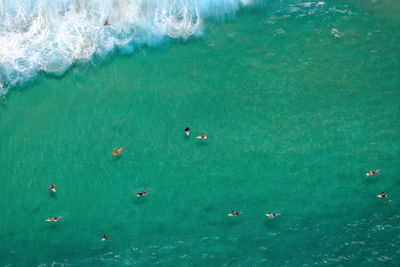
{"points": [[380, 196], [272, 216], [142, 194], [200, 137], [230, 214], [58, 218], [370, 174], [53, 189], [187, 133], [116, 152]]}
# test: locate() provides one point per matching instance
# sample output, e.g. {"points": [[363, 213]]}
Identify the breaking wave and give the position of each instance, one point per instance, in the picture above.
{"points": [[50, 35]]}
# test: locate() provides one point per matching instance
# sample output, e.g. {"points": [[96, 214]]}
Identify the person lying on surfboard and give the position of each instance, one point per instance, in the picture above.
{"points": [[53, 219], [105, 237], [106, 23], [142, 194], [187, 131], [383, 195], [203, 136], [234, 213], [270, 214], [372, 172], [116, 152], [53, 187]]}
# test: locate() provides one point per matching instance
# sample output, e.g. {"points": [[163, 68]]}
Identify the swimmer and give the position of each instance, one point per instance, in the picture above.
{"points": [[105, 237], [142, 194], [53, 188], [116, 152], [383, 195], [53, 219], [235, 213], [106, 23], [270, 214], [187, 131], [372, 172]]}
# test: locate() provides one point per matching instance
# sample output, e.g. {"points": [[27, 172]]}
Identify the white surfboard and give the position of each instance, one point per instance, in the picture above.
{"points": [[187, 133], [200, 137], [271, 216]]}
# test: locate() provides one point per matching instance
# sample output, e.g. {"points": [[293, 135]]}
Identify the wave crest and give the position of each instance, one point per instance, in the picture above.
{"points": [[51, 35]]}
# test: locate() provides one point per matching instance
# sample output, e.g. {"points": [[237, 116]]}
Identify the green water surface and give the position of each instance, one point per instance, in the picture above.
{"points": [[298, 101]]}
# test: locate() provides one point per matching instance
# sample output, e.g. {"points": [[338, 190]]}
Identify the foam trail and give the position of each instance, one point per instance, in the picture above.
{"points": [[51, 35]]}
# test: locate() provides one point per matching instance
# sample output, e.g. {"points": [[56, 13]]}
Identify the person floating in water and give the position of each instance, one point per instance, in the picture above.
{"points": [[235, 213], [142, 194], [53, 219], [53, 187], [116, 152], [187, 131], [105, 237], [383, 195], [106, 23], [372, 172], [203, 136], [270, 214]]}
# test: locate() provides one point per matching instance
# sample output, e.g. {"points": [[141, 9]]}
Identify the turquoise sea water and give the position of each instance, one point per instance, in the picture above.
{"points": [[299, 101]]}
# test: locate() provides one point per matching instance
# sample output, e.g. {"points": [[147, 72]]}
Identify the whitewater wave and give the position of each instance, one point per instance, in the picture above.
{"points": [[51, 35]]}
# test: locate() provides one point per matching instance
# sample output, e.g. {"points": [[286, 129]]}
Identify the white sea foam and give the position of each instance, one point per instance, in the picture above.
{"points": [[51, 35], [336, 33]]}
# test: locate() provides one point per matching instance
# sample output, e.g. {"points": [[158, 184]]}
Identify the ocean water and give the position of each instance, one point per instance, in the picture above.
{"points": [[50, 36], [299, 100]]}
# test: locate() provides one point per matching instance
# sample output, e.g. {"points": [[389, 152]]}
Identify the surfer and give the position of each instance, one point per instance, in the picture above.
{"points": [[235, 213], [53, 219], [372, 172], [270, 214], [53, 187], [187, 131], [383, 195], [142, 194], [105, 237], [203, 136], [116, 152], [106, 23]]}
